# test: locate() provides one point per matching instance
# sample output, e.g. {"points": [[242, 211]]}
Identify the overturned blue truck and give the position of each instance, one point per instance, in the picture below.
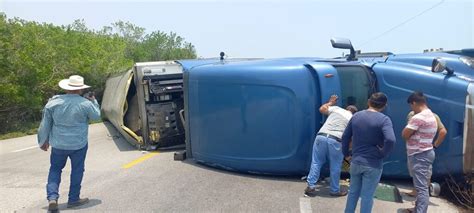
{"points": [[260, 115]]}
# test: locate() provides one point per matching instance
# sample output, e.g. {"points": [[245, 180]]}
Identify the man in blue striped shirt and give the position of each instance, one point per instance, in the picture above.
{"points": [[64, 127]]}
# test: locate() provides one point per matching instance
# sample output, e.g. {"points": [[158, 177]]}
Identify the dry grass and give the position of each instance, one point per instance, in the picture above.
{"points": [[461, 192]]}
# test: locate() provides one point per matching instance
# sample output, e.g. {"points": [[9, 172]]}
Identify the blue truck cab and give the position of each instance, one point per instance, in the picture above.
{"points": [[261, 115]]}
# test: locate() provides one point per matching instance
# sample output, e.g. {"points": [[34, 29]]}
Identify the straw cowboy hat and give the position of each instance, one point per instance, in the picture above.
{"points": [[75, 82]]}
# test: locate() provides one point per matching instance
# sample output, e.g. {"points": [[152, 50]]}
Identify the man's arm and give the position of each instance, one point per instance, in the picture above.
{"points": [[413, 124], [389, 137], [441, 135], [94, 110], [324, 109], [346, 139], [442, 132], [407, 133], [45, 129]]}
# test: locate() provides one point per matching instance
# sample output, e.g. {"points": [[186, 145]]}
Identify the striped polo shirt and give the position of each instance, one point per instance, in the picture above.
{"points": [[425, 126]]}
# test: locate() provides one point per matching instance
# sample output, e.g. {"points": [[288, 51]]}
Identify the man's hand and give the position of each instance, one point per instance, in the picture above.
{"points": [[324, 109], [90, 96], [348, 158], [45, 146], [333, 99]]}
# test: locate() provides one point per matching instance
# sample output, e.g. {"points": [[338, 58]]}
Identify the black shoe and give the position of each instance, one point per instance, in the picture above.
{"points": [[340, 193], [310, 192], [53, 205], [80, 202]]}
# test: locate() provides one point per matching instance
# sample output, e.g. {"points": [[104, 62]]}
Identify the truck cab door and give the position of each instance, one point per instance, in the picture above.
{"points": [[329, 83], [353, 83]]}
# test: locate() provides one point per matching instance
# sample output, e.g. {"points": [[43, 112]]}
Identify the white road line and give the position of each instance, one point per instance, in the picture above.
{"points": [[305, 205], [32, 147]]}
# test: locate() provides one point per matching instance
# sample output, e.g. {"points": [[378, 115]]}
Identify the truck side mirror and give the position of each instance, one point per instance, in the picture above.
{"points": [[343, 43], [439, 65]]}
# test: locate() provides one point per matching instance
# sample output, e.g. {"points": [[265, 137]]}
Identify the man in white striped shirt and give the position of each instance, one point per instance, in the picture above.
{"points": [[419, 134]]}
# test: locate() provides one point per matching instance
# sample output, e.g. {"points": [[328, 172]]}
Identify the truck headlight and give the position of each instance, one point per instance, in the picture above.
{"points": [[468, 61]]}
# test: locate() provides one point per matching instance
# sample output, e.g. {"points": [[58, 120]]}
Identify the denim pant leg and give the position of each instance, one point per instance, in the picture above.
{"points": [[319, 158], [77, 172], [354, 188], [410, 166], [335, 163], [58, 160], [421, 166], [370, 180]]}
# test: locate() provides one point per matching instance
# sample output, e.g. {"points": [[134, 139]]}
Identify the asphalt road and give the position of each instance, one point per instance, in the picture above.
{"points": [[119, 178]]}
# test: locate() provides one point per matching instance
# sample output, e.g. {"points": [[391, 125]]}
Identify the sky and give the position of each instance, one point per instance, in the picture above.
{"points": [[274, 28]]}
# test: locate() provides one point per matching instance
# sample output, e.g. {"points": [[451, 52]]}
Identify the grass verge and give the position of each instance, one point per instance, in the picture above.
{"points": [[27, 129], [24, 130]]}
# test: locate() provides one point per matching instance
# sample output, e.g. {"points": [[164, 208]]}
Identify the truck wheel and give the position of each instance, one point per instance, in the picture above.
{"points": [[434, 189]]}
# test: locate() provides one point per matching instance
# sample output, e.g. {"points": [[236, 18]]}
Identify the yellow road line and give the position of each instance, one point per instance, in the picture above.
{"points": [[139, 160]]}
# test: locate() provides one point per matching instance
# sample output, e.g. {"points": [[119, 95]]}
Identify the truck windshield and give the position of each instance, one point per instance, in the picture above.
{"points": [[356, 85]]}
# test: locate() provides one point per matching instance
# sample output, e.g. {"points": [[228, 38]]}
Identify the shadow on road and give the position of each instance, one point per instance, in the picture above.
{"points": [[247, 175], [63, 206], [117, 138]]}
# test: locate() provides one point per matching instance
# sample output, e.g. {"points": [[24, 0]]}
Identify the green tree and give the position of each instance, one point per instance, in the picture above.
{"points": [[35, 56]]}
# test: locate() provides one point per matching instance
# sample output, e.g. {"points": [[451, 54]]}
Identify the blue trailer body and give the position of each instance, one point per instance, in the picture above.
{"points": [[261, 116]]}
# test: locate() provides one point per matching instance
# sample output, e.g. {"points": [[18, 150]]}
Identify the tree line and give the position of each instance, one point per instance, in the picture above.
{"points": [[34, 57]]}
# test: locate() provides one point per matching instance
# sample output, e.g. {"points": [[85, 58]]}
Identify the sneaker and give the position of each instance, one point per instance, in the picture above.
{"points": [[53, 205], [340, 193], [80, 202], [310, 192]]}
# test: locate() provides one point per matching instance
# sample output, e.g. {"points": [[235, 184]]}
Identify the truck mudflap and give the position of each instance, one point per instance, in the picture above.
{"points": [[468, 148]]}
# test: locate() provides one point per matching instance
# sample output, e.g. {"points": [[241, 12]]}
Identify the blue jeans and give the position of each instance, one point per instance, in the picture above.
{"points": [[421, 166], [326, 148], [364, 181], [58, 161]]}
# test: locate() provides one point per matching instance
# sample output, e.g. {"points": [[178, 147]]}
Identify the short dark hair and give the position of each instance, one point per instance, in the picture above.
{"points": [[417, 97], [378, 100], [352, 108]]}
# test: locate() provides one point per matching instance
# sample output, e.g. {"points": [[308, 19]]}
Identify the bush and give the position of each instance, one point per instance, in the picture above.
{"points": [[34, 57]]}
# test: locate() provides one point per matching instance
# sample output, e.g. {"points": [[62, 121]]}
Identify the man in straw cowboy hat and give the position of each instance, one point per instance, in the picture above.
{"points": [[64, 127]]}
